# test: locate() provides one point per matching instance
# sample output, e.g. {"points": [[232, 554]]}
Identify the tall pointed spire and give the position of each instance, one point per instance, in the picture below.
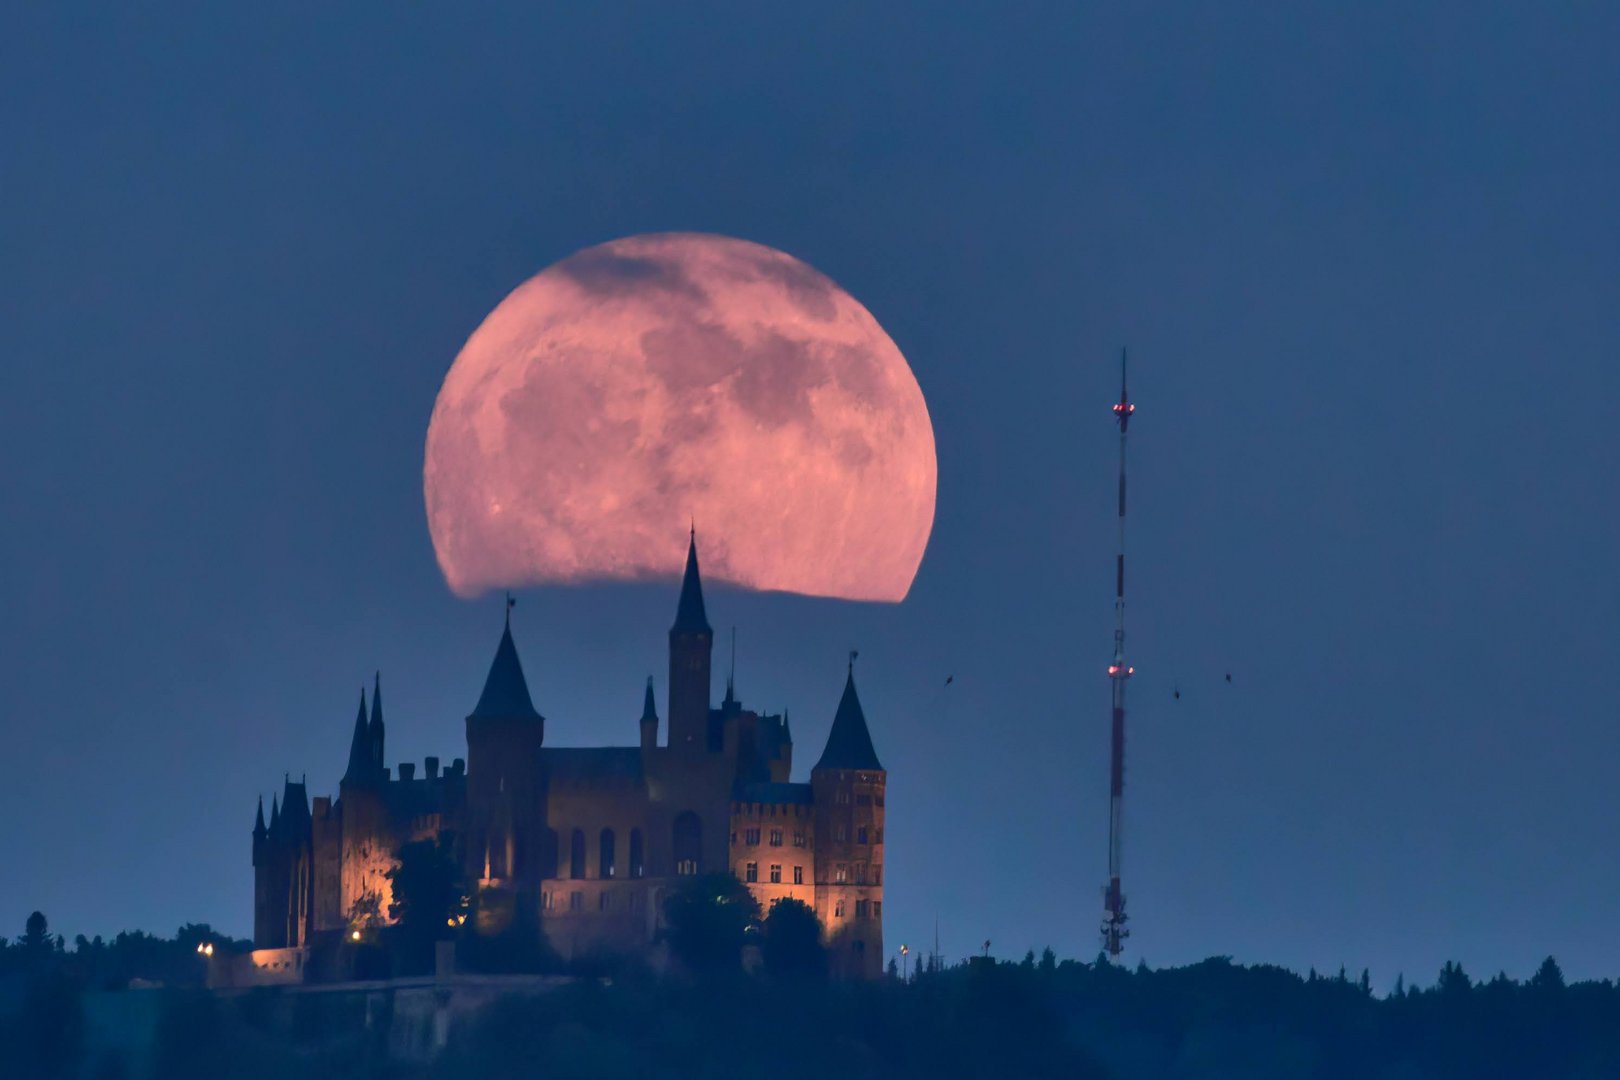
{"points": [[375, 731], [359, 746], [258, 821], [849, 743], [506, 691], [275, 814], [689, 614], [649, 707]]}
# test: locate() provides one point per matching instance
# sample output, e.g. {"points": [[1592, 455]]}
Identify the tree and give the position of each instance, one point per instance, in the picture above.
{"points": [[428, 894], [36, 936], [1549, 976], [1453, 980], [1048, 961], [790, 942], [707, 920]]}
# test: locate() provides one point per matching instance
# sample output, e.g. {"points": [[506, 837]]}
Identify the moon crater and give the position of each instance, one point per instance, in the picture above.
{"points": [[646, 381]]}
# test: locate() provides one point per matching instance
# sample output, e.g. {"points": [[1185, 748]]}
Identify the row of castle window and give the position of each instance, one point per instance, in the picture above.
{"points": [[552, 901], [770, 809], [864, 909], [751, 837], [841, 874], [863, 799], [606, 862], [751, 873], [840, 835]]}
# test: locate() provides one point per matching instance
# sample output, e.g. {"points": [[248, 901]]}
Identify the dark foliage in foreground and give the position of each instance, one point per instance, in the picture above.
{"points": [[1034, 1018]]}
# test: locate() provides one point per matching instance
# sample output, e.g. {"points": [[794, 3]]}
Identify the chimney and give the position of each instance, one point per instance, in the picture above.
{"points": [[457, 767], [407, 771], [430, 767]]}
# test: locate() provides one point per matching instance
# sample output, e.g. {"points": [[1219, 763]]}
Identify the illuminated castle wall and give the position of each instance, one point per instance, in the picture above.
{"points": [[594, 837]]}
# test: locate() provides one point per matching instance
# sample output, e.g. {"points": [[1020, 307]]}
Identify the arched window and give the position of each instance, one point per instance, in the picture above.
{"points": [[604, 862], [688, 844], [638, 866], [576, 854]]}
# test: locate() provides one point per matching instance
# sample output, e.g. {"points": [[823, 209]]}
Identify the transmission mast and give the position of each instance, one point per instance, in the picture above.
{"points": [[1114, 931]]}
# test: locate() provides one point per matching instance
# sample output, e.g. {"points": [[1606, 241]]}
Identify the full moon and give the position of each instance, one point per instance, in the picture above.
{"points": [[670, 378]]}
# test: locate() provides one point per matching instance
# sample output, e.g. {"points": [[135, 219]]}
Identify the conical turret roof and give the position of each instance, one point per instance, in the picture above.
{"points": [[649, 707], [359, 746], [689, 614], [849, 743], [506, 692]]}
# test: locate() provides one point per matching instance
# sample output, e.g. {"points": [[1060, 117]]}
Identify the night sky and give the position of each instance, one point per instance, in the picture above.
{"points": [[1365, 258]]}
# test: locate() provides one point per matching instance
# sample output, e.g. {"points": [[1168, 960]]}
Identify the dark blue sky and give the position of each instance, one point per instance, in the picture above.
{"points": [[1366, 260]]}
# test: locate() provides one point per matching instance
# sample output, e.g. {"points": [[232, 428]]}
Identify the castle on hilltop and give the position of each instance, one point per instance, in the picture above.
{"points": [[593, 838]]}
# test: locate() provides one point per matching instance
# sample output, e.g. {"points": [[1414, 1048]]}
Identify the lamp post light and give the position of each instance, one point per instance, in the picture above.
{"points": [[905, 963]]}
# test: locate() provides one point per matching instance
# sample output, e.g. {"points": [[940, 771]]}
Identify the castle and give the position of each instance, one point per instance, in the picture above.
{"points": [[593, 838]]}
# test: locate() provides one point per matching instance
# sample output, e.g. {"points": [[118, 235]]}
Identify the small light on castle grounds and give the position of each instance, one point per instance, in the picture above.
{"points": [[205, 949], [354, 935]]}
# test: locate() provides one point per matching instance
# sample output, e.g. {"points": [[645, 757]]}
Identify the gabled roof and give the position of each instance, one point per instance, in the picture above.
{"points": [[506, 692], [849, 743], [689, 614]]}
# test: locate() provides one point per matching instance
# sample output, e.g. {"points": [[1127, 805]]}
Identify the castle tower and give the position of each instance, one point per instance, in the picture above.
{"points": [[847, 785], [505, 788], [691, 647], [288, 872], [261, 882]]}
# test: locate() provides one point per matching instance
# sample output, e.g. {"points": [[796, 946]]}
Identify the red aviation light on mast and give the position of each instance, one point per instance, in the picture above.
{"points": [[1115, 671]]}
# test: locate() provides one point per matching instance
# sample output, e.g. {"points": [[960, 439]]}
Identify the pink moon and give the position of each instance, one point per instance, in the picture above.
{"points": [[655, 380]]}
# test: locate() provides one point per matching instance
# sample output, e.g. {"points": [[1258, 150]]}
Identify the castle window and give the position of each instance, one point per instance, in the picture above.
{"points": [[688, 845], [751, 872], [860, 835], [860, 873], [838, 910], [840, 834], [877, 875], [635, 901], [798, 875], [751, 837], [576, 855], [859, 945], [602, 902], [776, 838], [545, 901], [877, 909], [862, 909], [840, 874], [776, 873], [880, 834], [637, 867], [880, 800], [798, 838], [604, 863], [863, 800], [576, 901], [842, 798]]}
